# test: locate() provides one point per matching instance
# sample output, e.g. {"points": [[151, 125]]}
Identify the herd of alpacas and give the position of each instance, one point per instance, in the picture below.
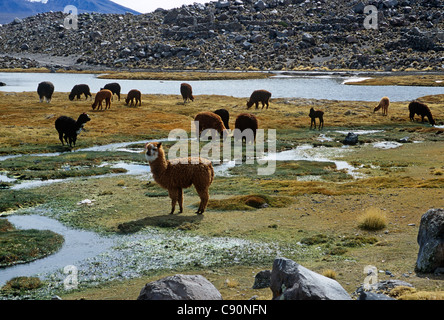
{"points": [[175, 175]]}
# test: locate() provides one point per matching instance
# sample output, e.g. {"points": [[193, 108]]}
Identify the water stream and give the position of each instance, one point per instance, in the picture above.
{"points": [[329, 87]]}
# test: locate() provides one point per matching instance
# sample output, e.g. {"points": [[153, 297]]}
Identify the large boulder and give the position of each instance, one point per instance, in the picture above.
{"points": [[180, 287], [431, 241], [291, 281]]}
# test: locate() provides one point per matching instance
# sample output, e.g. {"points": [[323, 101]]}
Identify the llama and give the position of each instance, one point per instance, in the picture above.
{"points": [[316, 114], [78, 90], [45, 90], [245, 121], [210, 120], [68, 128], [187, 92], [134, 94], [225, 116], [114, 87], [177, 174], [257, 96], [384, 104], [421, 109], [104, 94]]}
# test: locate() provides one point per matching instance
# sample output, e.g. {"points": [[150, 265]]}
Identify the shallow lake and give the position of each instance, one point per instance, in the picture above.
{"points": [[329, 87]]}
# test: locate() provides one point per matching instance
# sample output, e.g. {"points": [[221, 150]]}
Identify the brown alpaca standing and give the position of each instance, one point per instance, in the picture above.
{"points": [[104, 94], [316, 114], [384, 104], [177, 174]]}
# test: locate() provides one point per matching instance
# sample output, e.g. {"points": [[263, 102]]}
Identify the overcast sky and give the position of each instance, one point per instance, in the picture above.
{"points": [[145, 6]]}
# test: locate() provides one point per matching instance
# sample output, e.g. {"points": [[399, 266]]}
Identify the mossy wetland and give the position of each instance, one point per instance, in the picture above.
{"points": [[307, 210]]}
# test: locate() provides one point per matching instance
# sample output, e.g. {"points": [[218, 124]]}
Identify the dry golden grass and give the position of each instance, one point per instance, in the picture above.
{"points": [[406, 80], [372, 220], [185, 75]]}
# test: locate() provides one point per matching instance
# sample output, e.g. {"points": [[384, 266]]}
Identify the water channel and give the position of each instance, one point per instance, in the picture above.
{"points": [[329, 87]]}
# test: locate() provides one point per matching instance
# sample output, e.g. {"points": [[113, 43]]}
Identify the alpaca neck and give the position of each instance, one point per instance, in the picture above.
{"points": [[159, 165]]}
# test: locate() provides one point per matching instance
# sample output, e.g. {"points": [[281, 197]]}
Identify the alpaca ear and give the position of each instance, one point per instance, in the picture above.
{"points": [[159, 144]]}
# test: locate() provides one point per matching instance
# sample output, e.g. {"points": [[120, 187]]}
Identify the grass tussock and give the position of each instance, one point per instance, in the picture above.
{"points": [[372, 220], [19, 285]]}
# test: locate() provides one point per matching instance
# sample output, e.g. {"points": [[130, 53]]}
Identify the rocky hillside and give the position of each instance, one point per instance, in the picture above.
{"points": [[238, 34]]}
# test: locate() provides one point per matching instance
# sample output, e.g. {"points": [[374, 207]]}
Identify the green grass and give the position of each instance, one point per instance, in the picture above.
{"points": [[20, 246], [16, 199]]}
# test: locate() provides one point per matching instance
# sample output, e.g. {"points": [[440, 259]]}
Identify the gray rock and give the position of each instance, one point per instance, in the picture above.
{"points": [[369, 295], [291, 281], [351, 139], [180, 287], [431, 241], [262, 279], [359, 8]]}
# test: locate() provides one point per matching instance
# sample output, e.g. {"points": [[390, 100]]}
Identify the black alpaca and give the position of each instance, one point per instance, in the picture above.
{"points": [[114, 87], [68, 128], [316, 114]]}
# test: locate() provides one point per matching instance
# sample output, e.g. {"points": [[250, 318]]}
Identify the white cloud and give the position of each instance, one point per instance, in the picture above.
{"points": [[151, 5]]}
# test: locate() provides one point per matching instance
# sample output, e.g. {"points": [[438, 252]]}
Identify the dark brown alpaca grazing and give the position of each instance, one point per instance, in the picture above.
{"points": [[187, 92], [177, 174], [421, 109], [134, 95], [316, 114], [78, 90], [257, 96], [384, 104], [210, 120], [246, 124]]}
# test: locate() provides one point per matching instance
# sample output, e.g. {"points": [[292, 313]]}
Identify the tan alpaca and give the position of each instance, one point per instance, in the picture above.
{"points": [[209, 120], [177, 174], [384, 104], [104, 94]]}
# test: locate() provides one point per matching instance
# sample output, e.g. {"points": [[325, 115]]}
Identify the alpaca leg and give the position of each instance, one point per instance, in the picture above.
{"points": [[173, 196], [180, 199], [204, 196], [61, 137], [321, 123]]}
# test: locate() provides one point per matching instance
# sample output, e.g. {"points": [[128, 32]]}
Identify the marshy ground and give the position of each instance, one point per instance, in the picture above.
{"points": [[308, 203]]}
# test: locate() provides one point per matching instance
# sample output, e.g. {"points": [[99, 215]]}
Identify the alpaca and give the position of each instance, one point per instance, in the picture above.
{"points": [[245, 121], [187, 92], [78, 90], [104, 94], [384, 104], [316, 114], [114, 88], [421, 109], [209, 120], [134, 94], [45, 90], [225, 116], [257, 96], [180, 173], [68, 128]]}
